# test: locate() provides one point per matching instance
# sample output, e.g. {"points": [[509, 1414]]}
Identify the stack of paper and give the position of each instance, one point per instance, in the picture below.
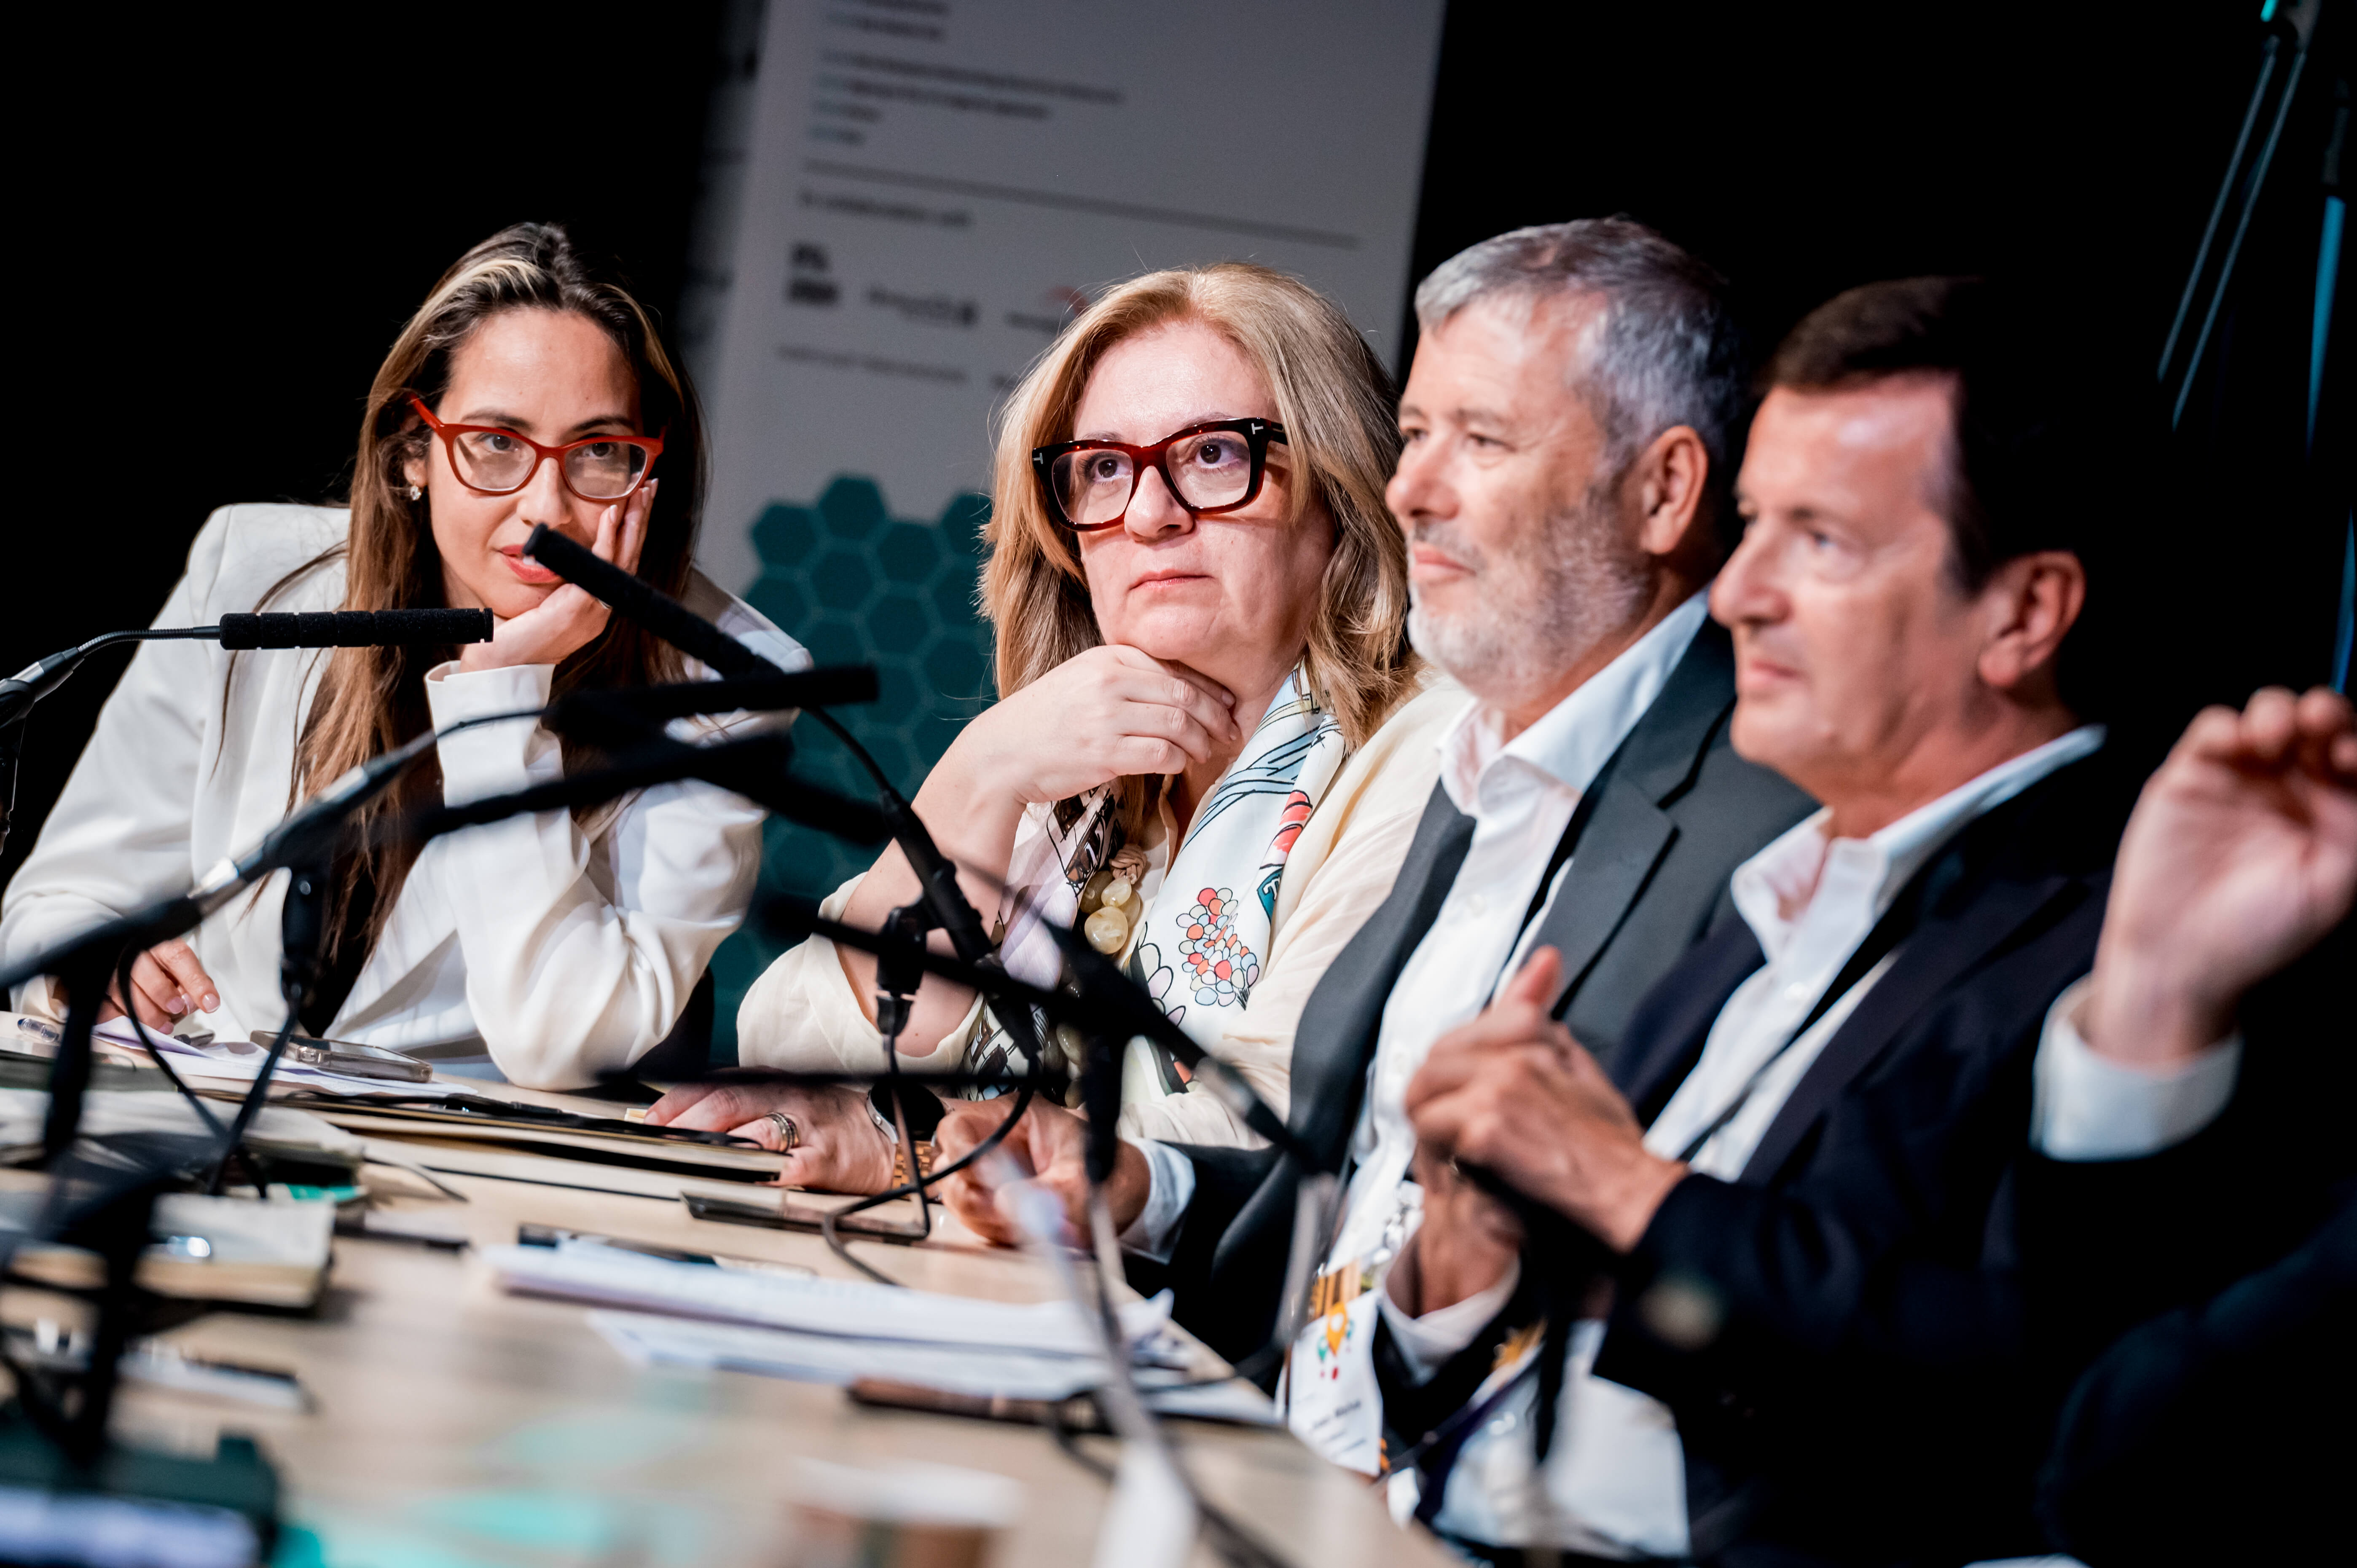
{"points": [[278, 1130], [829, 1358], [848, 1309], [834, 1331], [987, 1374], [525, 1127], [273, 1252]]}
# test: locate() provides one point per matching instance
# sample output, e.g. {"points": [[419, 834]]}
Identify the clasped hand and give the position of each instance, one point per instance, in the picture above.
{"points": [[1050, 1147], [1514, 1094]]}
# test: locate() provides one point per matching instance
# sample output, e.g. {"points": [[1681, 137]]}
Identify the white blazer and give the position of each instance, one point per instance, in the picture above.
{"points": [[560, 952]]}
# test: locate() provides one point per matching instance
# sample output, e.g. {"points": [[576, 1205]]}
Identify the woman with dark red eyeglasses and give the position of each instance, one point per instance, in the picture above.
{"points": [[530, 387], [1213, 743]]}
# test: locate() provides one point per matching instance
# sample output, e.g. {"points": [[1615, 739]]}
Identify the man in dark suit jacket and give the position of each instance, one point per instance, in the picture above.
{"points": [[2191, 1164], [1842, 1077], [1675, 810], [2173, 1262], [1571, 418]]}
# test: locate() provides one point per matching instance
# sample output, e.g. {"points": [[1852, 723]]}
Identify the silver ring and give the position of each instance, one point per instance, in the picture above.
{"points": [[790, 1135]]}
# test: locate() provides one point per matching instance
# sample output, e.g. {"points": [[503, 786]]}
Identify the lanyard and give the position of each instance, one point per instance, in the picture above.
{"points": [[1897, 922]]}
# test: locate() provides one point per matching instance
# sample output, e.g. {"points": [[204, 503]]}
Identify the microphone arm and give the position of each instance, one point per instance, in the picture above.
{"points": [[310, 833], [1107, 1004], [334, 628], [752, 767], [639, 705], [304, 841], [667, 618]]}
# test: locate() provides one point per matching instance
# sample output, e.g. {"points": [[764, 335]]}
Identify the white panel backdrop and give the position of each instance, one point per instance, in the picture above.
{"points": [[928, 186], [904, 200]]}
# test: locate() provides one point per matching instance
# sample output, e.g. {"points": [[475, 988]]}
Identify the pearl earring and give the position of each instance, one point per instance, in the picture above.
{"points": [[415, 494]]}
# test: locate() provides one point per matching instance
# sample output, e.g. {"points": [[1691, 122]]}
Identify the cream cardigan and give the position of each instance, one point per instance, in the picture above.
{"points": [[561, 953], [803, 1014]]}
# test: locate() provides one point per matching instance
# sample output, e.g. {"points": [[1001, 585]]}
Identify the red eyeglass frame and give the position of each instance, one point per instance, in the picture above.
{"points": [[653, 445]]}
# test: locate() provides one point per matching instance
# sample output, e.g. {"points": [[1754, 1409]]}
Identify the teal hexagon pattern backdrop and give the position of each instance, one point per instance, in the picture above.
{"points": [[854, 584]]}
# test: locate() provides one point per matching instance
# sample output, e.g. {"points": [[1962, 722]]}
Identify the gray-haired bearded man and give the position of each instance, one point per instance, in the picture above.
{"points": [[1571, 423]]}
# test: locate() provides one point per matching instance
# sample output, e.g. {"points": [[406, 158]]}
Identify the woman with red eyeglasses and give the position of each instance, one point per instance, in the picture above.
{"points": [[1212, 744], [530, 387]]}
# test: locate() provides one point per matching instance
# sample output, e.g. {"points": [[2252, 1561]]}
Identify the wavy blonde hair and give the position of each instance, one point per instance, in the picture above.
{"points": [[1338, 409]]}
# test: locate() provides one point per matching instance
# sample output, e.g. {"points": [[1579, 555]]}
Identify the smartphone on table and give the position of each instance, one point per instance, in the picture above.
{"points": [[350, 1059]]}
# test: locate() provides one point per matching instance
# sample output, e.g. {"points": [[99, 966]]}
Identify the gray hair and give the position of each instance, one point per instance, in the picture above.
{"points": [[1664, 351]]}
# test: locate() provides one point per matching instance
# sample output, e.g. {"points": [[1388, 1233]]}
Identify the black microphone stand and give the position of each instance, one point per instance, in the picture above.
{"points": [[331, 629], [1106, 1009], [945, 902], [67, 1449], [54, 1433], [302, 934]]}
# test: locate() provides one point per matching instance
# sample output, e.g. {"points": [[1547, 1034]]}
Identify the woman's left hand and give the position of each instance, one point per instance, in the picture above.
{"points": [[837, 1147], [570, 617]]}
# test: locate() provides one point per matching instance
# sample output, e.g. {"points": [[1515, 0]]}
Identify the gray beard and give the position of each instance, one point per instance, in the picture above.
{"points": [[1538, 609]]}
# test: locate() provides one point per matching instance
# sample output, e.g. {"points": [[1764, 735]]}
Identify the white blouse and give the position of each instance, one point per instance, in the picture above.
{"points": [[803, 1012], [560, 950]]}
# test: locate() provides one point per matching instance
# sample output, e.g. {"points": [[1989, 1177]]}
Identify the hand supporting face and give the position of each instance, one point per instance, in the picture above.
{"points": [[1050, 1146], [1513, 1092], [837, 1146], [2242, 854], [1103, 715], [1100, 715], [570, 617]]}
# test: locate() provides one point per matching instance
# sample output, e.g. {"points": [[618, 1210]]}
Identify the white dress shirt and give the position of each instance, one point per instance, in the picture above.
{"points": [[2087, 1107], [1615, 1481], [1811, 902], [1520, 795]]}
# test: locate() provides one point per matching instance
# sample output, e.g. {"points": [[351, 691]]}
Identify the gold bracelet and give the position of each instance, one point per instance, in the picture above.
{"points": [[925, 1162]]}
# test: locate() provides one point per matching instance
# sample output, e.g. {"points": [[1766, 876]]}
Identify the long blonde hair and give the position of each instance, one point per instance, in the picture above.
{"points": [[1336, 404], [371, 700]]}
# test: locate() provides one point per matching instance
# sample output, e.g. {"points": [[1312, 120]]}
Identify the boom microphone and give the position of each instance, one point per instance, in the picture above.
{"points": [[689, 699], [331, 629], [355, 629], [647, 605], [692, 634]]}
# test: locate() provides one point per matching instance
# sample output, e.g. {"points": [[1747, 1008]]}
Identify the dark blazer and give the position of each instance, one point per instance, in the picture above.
{"points": [[2209, 1431], [1900, 1141], [2217, 1433], [1668, 818]]}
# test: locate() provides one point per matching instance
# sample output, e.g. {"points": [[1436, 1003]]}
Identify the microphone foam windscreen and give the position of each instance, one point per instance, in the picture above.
{"points": [[356, 628], [647, 605]]}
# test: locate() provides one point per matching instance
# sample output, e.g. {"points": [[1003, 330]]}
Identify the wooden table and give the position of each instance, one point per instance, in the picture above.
{"points": [[456, 1425]]}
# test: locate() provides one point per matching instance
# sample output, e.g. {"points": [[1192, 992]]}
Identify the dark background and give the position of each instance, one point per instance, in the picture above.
{"points": [[224, 221]]}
